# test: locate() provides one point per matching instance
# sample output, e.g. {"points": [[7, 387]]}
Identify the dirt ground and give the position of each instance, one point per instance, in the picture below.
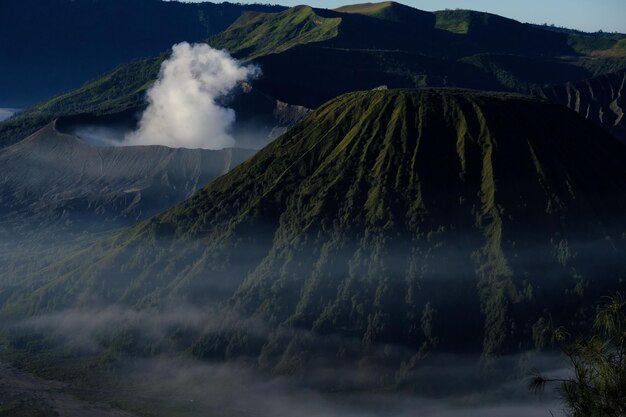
{"points": [[24, 395]]}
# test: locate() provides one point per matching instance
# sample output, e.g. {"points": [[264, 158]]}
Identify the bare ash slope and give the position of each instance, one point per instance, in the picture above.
{"points": [[55, 179]]}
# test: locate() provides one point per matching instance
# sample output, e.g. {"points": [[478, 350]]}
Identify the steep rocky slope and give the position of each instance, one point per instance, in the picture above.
{"points": [[601, 99]]}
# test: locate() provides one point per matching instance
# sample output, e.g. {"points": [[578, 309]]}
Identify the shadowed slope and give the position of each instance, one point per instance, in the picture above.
{"points": [[601, 100]]}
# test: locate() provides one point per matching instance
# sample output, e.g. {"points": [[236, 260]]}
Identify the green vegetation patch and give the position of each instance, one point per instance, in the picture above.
{"points": [[455, 21], [257, 34], [366, 8]]}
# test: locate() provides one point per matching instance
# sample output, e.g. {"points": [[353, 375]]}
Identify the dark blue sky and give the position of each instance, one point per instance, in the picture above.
{"points": [[587, 15]]}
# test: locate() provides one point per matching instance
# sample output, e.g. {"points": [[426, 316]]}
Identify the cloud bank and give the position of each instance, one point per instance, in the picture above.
{"points": [[182, 105], [6, 113]]}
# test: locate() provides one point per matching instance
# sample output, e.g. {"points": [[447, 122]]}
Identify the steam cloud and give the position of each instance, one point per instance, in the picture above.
{"points": [[182, 105]]}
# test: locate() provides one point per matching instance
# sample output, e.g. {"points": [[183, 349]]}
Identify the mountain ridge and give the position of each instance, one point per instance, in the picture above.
{"points": [[314, 62]]}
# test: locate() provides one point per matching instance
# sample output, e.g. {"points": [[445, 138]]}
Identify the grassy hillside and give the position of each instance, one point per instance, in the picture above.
{"points": [[423, 219], [122, 88], [584, 42], [459, 21], [468, 22], [256, 34], [391, 11]]}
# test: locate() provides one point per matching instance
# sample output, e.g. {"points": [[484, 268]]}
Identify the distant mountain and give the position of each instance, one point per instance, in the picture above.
{"points": [[601, 99], [52, 46], [258, 34], [405, 220], [399, 46], [309, 56]]}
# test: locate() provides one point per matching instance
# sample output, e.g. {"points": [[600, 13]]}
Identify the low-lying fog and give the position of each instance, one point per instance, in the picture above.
{"points": [[444, 386], [5, 113], [234, 390]]}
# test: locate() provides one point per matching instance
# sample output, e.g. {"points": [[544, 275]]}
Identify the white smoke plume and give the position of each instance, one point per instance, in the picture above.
{"points": [[182, 108]]}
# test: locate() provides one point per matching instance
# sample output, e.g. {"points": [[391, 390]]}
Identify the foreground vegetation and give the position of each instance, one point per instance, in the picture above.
{"points": [[598, 385]]}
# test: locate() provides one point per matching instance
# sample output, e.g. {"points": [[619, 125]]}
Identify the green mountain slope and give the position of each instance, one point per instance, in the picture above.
{"points": [[399, 46], [256, 34], [584, 42], [500, 34], [372, 9], [391, 26], [399, 218], [392, 11], [520, 73]]}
